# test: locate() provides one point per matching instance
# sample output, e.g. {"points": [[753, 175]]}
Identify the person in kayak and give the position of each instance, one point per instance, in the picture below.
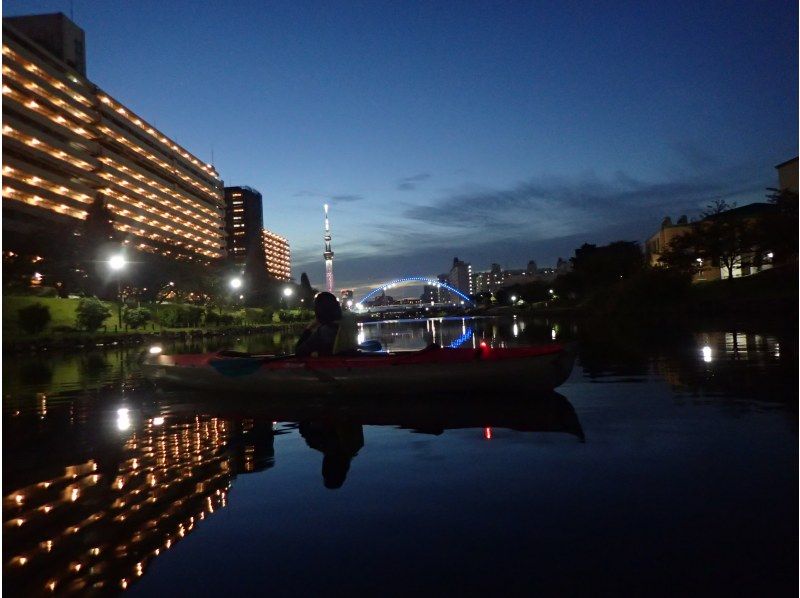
{"points": [[330, 333]]}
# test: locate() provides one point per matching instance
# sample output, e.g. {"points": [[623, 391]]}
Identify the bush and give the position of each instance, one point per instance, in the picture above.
{"points": [[178, 316], [91, 313], [136, 317], [34, 318]]}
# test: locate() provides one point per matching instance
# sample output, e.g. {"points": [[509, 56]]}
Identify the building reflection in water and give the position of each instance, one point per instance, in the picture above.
{"points": [[94, 525], [96, 528]]}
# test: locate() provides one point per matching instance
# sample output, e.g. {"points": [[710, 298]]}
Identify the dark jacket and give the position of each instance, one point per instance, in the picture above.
{"points": [[319, 340]]}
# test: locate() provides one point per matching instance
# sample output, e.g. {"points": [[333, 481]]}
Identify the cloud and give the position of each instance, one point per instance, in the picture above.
{"points": [[557, 206], [410, 183], [541, 218], [344, 197], [347, 197]]}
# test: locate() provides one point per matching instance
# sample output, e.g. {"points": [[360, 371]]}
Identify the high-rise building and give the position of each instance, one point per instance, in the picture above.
{"points": [[461, 276], [67, 143], [244, 223], [278, 256]]}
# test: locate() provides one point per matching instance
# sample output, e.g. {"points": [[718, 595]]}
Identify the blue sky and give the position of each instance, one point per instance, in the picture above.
{"points": [[491, 131]]}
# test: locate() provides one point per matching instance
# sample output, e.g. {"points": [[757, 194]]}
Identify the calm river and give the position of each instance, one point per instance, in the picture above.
{"points": [[666, 465]]}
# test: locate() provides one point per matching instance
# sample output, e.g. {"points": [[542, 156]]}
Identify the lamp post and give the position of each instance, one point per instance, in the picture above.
{"points": [[287, 292], [236, 285], [117, 263]]}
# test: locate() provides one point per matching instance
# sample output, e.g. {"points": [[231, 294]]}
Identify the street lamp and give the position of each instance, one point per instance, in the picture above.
{"points": [[288, 292], [117, 263], [236, 283]]}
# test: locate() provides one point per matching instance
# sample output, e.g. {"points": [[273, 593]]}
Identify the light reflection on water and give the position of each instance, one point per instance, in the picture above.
{"points": [[104, 477]]}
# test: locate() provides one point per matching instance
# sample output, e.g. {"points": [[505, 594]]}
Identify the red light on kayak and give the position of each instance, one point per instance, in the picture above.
{"points": [[487, 433], [483, 345]]}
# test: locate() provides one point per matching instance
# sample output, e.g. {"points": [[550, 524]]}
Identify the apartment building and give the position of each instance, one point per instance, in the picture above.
{"points": [[67, 143], [278, 255]]}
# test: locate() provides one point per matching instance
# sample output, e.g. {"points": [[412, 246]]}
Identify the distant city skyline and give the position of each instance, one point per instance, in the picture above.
{"points": [[497, 133]]}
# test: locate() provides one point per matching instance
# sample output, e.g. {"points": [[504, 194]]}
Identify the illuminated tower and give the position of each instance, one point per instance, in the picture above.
{"points": [[328, 255]]}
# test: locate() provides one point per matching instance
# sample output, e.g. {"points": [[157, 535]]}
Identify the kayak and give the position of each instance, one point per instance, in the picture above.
{"points": [[432, 370], [550, 412]]}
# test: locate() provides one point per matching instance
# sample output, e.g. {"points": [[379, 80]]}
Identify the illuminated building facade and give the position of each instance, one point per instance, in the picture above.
{"points": [[244, 221], [461, 276], [67, 143], [278, 256]]}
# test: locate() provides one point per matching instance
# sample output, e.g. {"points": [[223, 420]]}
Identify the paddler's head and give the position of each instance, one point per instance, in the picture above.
{"points": [[327, 308]]}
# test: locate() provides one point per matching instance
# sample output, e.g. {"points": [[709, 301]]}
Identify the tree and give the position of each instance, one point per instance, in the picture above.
{"points": [[716, 207], [34, 318], [778, 230], [681, 254], [596, 267], [724, 241], [136, 317], [91, 313], [306, 291]]}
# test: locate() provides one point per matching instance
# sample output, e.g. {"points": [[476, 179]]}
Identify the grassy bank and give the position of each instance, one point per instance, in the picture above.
{"points": [[62, 330]]}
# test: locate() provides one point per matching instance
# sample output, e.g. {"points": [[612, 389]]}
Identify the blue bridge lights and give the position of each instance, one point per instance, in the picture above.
{"points": [[413, 280]]}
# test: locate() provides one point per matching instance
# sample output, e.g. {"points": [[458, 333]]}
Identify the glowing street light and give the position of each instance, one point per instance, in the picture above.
{"points": [[513, 298], [236, 283], [117, 262], [288, 292]]}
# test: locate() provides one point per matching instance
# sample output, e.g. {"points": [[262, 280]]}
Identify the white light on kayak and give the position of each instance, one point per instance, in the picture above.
{"points": [[707, 354], [154, 350], [158, 421]]}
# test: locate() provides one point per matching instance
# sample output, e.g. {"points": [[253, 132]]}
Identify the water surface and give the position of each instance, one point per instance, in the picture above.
{"points": [[666, 464]]}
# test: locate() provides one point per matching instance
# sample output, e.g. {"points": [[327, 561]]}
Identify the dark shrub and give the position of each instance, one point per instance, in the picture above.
{"points": [[212, 318], [34, 318], [179, 316], [91, 313], [136, 317]]}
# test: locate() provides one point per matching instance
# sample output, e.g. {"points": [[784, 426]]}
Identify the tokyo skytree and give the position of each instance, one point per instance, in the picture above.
{"points": [[328, 254]]}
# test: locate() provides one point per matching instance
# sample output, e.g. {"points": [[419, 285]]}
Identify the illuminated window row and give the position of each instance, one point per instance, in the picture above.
{"points": [[209, 230], [17, 174], [163, 165], [208, 168], [43, 93], [41, 146], [140, 232], [152, 221], [28, 65], [170, 193], [36, 200], [46, 112]]}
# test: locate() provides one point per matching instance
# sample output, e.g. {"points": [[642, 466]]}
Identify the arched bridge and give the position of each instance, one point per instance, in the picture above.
{"points": [[408, 280]]}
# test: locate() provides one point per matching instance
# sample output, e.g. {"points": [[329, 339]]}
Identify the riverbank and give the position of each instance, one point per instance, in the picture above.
{"points": [[773, 293], [61, 333], [81, 341]]}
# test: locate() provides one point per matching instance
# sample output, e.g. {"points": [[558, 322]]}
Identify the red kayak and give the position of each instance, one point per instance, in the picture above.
{"points": [[431, 371]]}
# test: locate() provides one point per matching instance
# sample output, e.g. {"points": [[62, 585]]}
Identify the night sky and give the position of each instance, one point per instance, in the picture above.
{"points": [[495, 132]]}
